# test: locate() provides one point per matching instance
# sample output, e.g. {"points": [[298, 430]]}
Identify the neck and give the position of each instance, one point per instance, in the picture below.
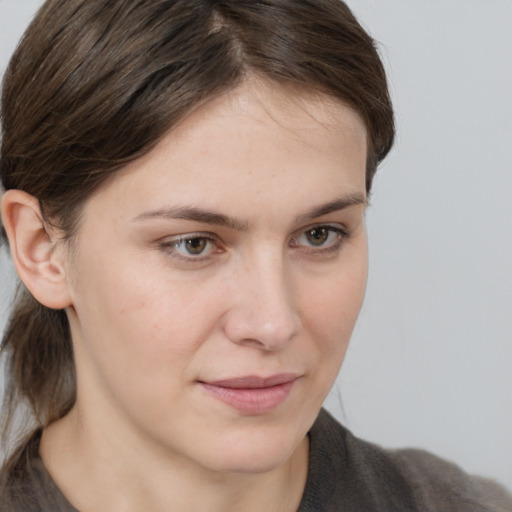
{"points": [[119, 472]]}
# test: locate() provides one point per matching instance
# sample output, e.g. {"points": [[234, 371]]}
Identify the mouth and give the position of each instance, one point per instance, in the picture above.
{"points": [[252, 395]]}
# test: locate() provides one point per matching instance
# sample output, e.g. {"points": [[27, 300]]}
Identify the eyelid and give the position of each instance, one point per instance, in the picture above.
{"points": [[335, 228], [168, 245]]}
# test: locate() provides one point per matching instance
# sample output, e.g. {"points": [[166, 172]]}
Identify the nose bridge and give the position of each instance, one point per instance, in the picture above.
{"points": [[263, 311]]}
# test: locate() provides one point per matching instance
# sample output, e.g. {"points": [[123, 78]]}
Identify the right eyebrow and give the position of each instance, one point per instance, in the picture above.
{"points": [[195, 214]]}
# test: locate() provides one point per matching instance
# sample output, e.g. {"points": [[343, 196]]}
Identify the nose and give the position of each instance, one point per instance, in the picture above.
{"points": [[263, 311]]}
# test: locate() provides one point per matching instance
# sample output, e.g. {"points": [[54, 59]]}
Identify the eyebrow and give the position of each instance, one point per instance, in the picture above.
{"points": [[333, 206], [195, 214], [205, 216]]}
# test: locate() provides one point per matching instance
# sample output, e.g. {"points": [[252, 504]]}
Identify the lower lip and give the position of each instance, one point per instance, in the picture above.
{"points": [[251, 400]]}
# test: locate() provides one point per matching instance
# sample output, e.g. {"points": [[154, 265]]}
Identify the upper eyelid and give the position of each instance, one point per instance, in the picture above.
{"points": [[171, 240], [188, 236], [341, 237], [168, 244], [335, 226]]}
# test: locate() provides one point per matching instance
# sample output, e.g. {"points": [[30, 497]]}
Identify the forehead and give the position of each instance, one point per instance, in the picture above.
{"points": [[298, 114], [249, 140]]}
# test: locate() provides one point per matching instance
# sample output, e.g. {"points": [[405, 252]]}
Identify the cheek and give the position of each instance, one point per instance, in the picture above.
{"points": [[331, 311], [136, 335], [124, 314]]}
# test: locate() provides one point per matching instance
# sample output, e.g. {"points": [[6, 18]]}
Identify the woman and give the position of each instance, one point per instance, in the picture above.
{"points": [[185, 194]]}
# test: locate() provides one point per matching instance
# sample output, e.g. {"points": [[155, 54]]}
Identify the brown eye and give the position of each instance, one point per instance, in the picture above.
{"points": [[320, 238], [195, 246], [191, 247], [317, 236]]}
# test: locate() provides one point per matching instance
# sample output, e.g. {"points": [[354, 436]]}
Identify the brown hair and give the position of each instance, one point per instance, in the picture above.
{"points": [[95, 84]]}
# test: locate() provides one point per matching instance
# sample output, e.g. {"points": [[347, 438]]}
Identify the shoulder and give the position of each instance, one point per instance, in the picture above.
{"points": [[347, 472], [26, 486], [437, 481]]}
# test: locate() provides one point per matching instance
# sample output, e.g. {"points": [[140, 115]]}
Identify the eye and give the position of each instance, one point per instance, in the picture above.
{"points": [[190, 246], [320, 237], [194, 246]]}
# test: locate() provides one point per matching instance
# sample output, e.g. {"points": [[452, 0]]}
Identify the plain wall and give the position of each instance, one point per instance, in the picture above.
{"points": [[430, 362]]}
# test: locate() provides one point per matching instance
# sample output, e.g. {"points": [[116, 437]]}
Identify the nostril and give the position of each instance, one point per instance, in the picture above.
{"points": [[263, 330], [251, 342]]}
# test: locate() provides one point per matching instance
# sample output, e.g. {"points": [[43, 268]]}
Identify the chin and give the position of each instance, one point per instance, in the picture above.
{"points": [[244, 464], [253, 453]]}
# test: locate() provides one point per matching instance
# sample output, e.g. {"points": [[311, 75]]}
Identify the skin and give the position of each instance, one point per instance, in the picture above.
{"points": [[274, 289]]}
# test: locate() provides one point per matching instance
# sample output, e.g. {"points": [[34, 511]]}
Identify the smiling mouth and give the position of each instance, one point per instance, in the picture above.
{"points": [[252, 395]]}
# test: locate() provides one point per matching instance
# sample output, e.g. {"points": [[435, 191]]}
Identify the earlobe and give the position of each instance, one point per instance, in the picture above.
{"points": [[37, 255]]}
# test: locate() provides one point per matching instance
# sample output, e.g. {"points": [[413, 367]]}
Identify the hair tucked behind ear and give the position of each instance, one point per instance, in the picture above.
{"points": [[39, 369], [95, 84]]}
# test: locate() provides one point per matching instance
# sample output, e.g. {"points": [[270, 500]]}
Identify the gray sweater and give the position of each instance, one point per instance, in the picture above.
{"points": [[345, 474]]}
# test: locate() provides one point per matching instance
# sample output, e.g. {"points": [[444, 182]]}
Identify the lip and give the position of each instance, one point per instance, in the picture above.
{"points": [[252, 395]]}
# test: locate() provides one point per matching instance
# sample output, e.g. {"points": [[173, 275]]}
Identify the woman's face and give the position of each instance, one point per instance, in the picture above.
{"points": [[217, 280]]}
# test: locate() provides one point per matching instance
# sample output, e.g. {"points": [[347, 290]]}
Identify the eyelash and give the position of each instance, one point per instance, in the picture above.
{"points": [[341, 236], [170, 246]]}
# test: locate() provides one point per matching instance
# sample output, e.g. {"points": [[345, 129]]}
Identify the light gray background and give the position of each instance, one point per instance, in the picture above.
{"points": [[430, 363]]}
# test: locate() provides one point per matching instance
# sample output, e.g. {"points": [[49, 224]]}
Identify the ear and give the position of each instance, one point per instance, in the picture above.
{"points": [[37, 253]]}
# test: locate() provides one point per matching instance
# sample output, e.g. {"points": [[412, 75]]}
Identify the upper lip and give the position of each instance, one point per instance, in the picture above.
{"points": [[253, 381]]}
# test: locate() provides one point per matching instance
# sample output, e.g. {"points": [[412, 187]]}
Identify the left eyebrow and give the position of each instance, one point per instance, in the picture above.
{"points": [[333, 206]]}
